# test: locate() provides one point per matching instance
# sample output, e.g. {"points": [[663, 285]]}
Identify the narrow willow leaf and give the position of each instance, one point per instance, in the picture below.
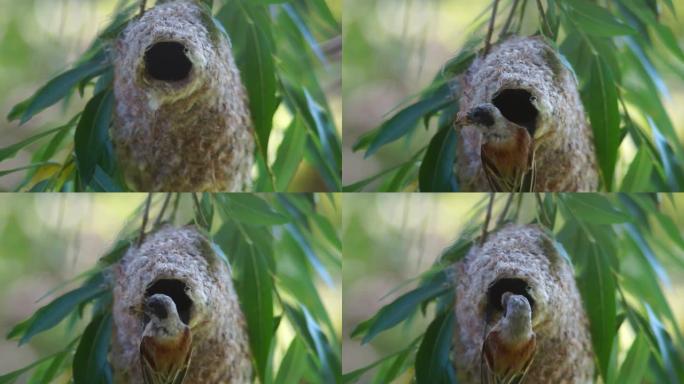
{"points": [[404, 121], [289, 153], [596, 20], [635, 364], [597, 285], [10, 151], [602, 105], [11, 377], [432, 359], [292, 366], [91, 133], [53, 313], [398, 310], [354, 376], [594, 209], [436, 170], [638, 175], [90, 364], [58, 88], [253, 210], [255, 290]]}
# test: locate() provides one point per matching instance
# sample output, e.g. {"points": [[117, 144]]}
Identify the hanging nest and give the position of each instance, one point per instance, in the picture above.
{"points": [[526, 79], [523, 260], [181, 119], [180, 263]]}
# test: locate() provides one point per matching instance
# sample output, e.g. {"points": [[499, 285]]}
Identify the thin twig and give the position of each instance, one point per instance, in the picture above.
{"points": [[522, 15], [507, 25], [176, 202], [545, 23], [160, 218], [490, 31], [502, 218], [198, 208], [487, 218], [142, 7], [146, 215]]}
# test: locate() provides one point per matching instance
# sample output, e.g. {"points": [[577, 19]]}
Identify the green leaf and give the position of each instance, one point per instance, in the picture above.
{"points": [[10, 151], [638, 177], [407, 119], [436, 170], [398, 310], [593, 208], [58, 88], [92, 132], [11, 377], [597, 286], [255, 289], [53, 313], [432, 359], [90, 361], [250, 209], [292, 366], [602, 105], [289, 153], [596, 20], [634, 367]]}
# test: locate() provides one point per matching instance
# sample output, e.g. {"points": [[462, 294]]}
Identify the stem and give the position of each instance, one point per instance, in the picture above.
{"points": [[490, 30], [509, 19], [545, 23], [487, 218], [142, 7], [146, 215], [522, 15], [160, 218], [502, 218]]}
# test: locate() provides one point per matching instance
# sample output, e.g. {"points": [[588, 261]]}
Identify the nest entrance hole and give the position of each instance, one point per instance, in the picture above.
{"points": [[167, 61], [516, 106], [175, 289], [501, 286]]}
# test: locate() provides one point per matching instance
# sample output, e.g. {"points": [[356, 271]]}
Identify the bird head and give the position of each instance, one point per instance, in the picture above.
{"points": [[490, 122], [517, 313], [160, 307]]}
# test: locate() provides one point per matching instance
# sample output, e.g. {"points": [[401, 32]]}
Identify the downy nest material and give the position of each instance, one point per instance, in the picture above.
{"points": [[526, 79], [180, 263], [181, 120], [523, 260]]}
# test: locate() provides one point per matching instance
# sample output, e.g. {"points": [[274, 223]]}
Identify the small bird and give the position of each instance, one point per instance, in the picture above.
{"points": [[506, 150], [166, 345], [510, 346]]}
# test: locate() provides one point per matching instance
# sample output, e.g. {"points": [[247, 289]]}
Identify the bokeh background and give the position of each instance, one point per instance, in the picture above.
{"points": [[40, 39], [49, 239], [390, 238], [394, 48]]}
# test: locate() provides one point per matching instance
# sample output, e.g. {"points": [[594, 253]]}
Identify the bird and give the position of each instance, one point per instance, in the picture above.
{"points": [[506, 150], [166, 344], [509, 347]]}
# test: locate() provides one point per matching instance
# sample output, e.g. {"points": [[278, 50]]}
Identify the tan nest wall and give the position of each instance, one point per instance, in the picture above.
{"points": [[563, 140], [181, 119], [564, 352], [220, 343]]}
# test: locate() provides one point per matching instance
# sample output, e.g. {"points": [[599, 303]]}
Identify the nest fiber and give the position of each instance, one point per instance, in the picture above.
{"points": [[181, 120], [518, 256], [526, 79], [180, 263]]}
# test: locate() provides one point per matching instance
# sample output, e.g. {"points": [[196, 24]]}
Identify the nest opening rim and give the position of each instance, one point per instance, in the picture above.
{"points": [[167, 61], [502, 285], [176, 289], [515, 104]]}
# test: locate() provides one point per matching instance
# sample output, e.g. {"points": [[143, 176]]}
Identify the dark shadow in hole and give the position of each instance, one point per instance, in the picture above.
{"points": [[516, 106], [175, 289], [501, 286], [166, 61]]}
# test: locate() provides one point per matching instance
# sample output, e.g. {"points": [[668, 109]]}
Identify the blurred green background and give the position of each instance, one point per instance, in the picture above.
{"points": [[390, 238], [49, 239], [394, 48], [39, 39]]}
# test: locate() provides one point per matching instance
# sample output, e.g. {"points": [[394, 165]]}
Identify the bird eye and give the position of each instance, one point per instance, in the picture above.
{"points": [[533, 99]]}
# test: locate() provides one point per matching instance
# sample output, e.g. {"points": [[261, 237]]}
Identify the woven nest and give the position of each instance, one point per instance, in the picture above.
{"points": [[525, 78], [512, 259], [181, 119], [180, 263]]}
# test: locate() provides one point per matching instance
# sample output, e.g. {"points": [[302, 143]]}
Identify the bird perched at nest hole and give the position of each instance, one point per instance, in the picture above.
{"points": [[166, 344], [509, 347], [506, 151]]}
